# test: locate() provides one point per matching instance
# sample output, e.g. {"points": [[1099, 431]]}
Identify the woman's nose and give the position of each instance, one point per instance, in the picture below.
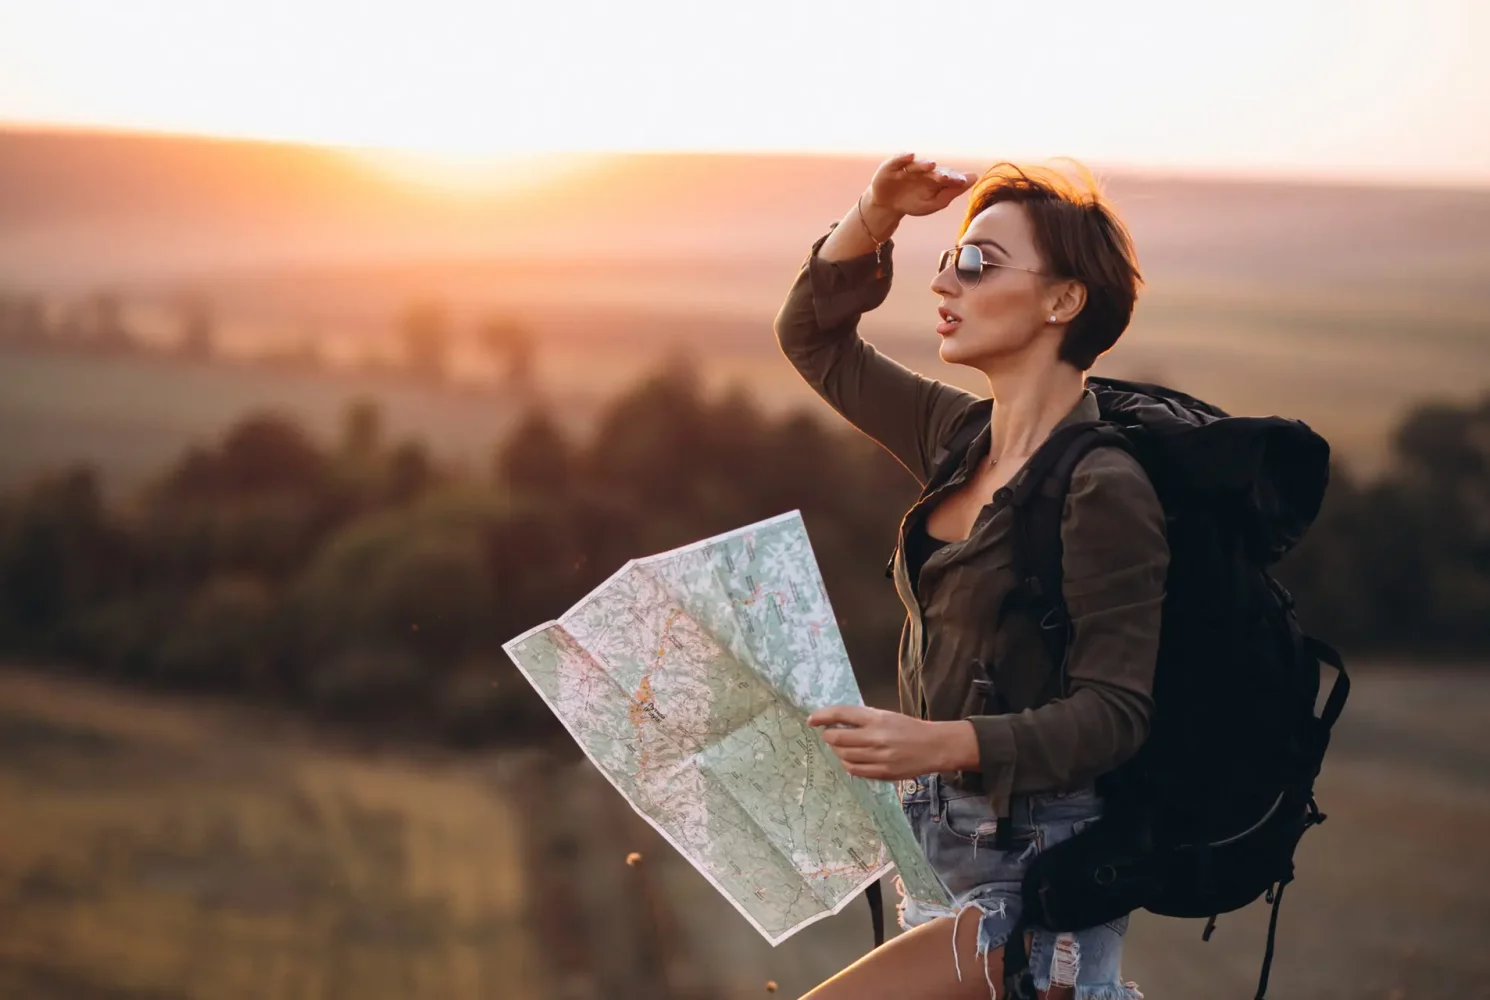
{"points": [[945, 283]]}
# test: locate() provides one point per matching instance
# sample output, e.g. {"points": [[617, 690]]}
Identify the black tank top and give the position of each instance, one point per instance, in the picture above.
{"points": [[919, 545]]}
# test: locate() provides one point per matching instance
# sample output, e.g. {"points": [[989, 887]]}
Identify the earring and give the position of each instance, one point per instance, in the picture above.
{"points": [[1052, 317]]}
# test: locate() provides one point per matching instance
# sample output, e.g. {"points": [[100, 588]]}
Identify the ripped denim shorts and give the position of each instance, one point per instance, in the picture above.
{"points": [[956, 830]]}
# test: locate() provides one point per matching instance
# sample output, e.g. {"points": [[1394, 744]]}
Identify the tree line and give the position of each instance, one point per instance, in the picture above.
{"points": [[361, 580], [425, 333]]}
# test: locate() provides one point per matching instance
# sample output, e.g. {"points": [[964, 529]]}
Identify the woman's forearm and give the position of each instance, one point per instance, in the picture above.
{"points": [[960, 741], [849, 238]]}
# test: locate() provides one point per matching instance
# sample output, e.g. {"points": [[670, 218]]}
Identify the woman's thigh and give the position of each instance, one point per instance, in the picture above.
{"points": [[918, 964]]}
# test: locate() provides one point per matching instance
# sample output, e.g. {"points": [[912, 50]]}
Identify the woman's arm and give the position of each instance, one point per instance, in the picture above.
{"points": [[843, 278], [1115, 561], [847, 274], [817, 328]]}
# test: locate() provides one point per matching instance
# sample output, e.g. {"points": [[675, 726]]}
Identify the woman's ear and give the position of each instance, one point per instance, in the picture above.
{"points": [[1069, 299]]}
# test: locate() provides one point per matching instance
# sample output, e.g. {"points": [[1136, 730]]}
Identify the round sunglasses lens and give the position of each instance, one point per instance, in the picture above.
{"points": [[969, 264]]}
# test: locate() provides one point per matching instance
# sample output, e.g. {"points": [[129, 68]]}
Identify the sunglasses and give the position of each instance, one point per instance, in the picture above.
{"points": [[968, 263]]}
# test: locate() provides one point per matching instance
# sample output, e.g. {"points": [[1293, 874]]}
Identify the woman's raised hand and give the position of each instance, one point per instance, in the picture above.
{"points": [[901, 186], [904, 185]]}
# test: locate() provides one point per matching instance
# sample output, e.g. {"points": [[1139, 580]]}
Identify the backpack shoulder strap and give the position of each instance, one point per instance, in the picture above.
{"points": [[1038, 502]]}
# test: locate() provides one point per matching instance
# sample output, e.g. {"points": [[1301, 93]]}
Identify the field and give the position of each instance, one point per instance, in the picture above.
{"points": [[1349, 373], [158, 849], [1340, 305]]}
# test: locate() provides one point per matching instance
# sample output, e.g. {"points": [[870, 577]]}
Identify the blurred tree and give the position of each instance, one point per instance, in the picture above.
{"points": [[424, 332], [223, 640], [256, 504], [1444, 454], [10, 332], [15, 330], [196, 337], [362, 430], [1403, 565], [70, 330], [536, 458], [60, 551], [23, 321], [649, 440], [411, 472], [104, 328], [404, 594], [370, 583], [269, 452], [511, 347], [301, 352]]}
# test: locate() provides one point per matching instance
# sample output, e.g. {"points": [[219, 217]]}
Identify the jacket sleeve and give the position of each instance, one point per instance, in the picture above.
{"points": [[1115, 559], [817, 327]]}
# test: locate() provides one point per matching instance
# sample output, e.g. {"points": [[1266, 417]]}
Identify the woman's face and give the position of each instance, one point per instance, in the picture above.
{"points": [[1007, 311]]}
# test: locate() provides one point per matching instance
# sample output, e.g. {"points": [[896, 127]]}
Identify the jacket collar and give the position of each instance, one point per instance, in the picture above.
{"points": [[1086, 410]]}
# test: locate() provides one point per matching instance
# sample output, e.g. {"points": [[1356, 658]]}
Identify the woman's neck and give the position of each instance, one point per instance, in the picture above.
{"points": [[1028, 404]]}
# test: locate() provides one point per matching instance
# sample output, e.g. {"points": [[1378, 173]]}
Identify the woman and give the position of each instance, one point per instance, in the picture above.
{"points": [[1042, 281]]}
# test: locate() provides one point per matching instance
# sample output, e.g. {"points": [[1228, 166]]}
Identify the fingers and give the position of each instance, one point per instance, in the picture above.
{"points": [[856, 737], [879, 772], [846, 715], [861, 755], [941, 175], [863, 762]]}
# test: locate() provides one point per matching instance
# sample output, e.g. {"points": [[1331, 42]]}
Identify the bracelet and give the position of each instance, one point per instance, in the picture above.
{"points": [[859, 207]]}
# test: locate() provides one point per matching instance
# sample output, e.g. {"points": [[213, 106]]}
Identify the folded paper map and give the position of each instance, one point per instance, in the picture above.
{"points": [[687, 678]]}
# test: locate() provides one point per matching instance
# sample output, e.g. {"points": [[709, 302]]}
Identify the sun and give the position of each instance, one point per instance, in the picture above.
{"points": [[468, 174]]}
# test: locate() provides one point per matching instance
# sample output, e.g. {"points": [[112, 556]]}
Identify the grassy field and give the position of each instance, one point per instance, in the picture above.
{"points": [[1351, 376], [150, 851], [160, 849]]}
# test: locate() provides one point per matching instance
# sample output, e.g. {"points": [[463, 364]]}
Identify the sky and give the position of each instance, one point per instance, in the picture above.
{"points": [[1356, 89]]}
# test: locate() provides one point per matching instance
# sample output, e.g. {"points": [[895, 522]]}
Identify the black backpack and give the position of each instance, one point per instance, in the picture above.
{"points": [[1205, 817]]}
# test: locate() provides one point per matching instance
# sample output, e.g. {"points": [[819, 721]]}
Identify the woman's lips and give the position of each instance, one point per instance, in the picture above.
{"points": [[950, 321]]}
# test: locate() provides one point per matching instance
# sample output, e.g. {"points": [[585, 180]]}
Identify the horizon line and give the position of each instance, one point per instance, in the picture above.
{"points": [[1451, 180]]}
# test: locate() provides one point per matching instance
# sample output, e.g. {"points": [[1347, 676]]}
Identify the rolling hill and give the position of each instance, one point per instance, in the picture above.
{"points": [[1342, 305]]}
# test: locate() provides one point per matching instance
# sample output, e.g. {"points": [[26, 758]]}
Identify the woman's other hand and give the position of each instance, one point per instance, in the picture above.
{"points": [[889, 746]]}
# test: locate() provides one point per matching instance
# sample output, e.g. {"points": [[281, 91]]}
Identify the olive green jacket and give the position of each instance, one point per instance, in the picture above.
{"points": [[1115, 560]]}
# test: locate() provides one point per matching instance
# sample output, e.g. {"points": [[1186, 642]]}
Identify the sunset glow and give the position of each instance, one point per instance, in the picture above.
{"points": [[1335, 87], [464, 175]]}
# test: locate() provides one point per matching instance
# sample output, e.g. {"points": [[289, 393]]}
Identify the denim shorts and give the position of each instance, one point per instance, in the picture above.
{"points": [[956, 830]]}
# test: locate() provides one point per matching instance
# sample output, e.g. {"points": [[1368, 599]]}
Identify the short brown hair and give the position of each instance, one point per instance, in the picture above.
{"points": [[1080, 237]]}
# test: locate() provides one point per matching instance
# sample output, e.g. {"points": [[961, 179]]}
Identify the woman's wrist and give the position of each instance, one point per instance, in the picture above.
{"points": [[879, 219], [959, 741], [857, 233], [862, 230]]}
